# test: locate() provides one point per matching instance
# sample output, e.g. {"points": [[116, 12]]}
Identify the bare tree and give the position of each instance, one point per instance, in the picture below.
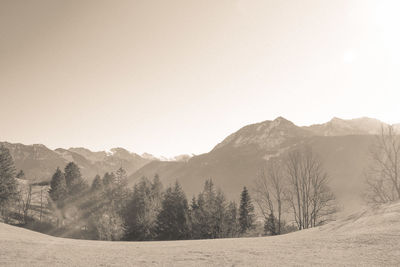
{"points": [[269, 192], [41, 204], [308, 193], [24, 201], [382, 175]]}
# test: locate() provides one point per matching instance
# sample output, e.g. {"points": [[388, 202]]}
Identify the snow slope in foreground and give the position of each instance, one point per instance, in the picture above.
{"points": [[370, 237]]}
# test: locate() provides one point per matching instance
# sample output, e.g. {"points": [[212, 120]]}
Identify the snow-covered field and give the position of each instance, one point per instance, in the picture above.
{"points": [[370, 237]]}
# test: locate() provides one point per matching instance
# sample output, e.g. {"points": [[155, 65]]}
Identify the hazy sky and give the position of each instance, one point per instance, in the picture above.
{"points": [[171, 77]]}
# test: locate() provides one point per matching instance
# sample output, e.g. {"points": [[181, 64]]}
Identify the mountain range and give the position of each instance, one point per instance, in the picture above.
{"points": [[343, 146], [235, 162], [39, 162]]}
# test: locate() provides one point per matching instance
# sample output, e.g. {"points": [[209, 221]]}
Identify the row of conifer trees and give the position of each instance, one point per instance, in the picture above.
{"points": [[109, 210]]}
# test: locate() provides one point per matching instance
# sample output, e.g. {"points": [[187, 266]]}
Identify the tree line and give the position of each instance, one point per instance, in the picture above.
{"points": [[289, 193], [110, 211], [107, 209]]}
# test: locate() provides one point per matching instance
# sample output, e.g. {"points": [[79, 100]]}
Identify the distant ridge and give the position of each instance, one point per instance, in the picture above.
{"points": [[339, 127], [39, 162]]}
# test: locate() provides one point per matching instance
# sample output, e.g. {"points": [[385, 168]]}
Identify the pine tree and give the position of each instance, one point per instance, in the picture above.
{"points": [[97, 184], [246, 211], [270, 225], [141, 212], [232, 220], [120, 191], [121, 178], [193, 204], [197, 218], [206, 215], [8, 183], [58, 188], [73, 178], [209, 214], [220, 215], [108, 179], [156, 186], [172, 221]]}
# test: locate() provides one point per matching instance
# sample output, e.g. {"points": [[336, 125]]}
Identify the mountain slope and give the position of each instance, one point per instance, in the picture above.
{"points": [[266, 135], [366, 238], [237, 160], [232, 168], [39, 162]]}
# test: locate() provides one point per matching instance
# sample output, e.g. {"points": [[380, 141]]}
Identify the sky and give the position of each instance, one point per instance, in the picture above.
{"points": [[174, 77]]}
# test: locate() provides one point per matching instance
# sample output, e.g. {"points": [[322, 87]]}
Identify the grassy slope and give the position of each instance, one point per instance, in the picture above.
{"points": [[370, 237]]}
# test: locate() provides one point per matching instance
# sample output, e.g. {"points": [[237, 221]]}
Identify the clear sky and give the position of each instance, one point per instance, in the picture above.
{"points": [[172, 77]]}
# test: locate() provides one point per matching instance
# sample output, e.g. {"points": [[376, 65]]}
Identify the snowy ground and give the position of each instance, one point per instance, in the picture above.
{"points": [[369, 237]]}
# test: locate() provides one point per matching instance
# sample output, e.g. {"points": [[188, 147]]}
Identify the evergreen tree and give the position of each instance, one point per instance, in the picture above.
{"points": [[156, 195], [209, 214], [108, 179], [270, 225], [193, 204], [90, 208], [197, 218], [105, 206], [172, 221], [58, 188], [246, 211], [120, 192], [232, 220], [205, 216], [156, 187], [141, 211], [97, 184], [73, 178], [121, 178], [220, 215], [8, 183]]}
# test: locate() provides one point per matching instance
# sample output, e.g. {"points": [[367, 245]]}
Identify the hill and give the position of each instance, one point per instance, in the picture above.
{"points": [[366, 238]]}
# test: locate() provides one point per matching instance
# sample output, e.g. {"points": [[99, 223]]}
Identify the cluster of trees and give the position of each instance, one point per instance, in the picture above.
{"points": [[66, 191], [104, 205], [292, 189], [84, 211], [108, 210], [295, 188], [156, 214]]}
